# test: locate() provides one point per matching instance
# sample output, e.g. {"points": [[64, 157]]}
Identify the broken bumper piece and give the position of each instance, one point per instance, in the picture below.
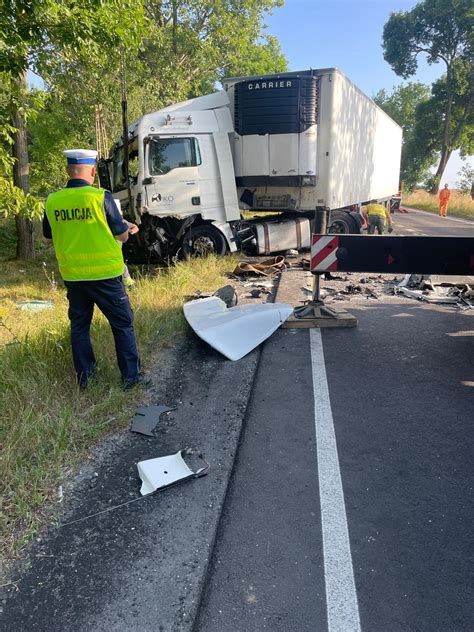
{"points": [[234, 331], [166, 471]]}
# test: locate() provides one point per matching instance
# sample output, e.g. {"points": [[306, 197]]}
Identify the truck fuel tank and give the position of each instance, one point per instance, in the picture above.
{"points": [[288, 234]]}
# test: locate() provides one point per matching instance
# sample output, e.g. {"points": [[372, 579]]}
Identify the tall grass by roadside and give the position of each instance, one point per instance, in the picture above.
{"points": [[47, 424], [460, 205]]}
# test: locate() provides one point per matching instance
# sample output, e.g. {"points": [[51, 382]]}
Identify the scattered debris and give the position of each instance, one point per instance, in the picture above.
{"points": [[165, 471], [158, 474], [197, 294], [225, 293], [234, 331], [356, 289], [35, 306], [265, 284], [370, 293], [228, 295], [146, 418], [259, 288], [261, 268], [438, 289]]}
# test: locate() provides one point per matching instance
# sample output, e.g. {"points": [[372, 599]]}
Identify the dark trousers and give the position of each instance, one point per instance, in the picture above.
{"points": [[376, 222], [110, 297]]}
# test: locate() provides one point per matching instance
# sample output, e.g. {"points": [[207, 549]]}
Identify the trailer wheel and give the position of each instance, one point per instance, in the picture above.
{"points": [[204, 240], [342, 223]]}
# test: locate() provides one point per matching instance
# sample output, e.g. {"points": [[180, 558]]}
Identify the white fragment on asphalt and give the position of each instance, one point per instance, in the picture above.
{"points": [[341, 596], [162, 472]]}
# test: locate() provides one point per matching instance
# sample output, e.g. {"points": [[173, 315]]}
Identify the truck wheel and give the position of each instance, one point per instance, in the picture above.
{"points": [[204, 240], [342, 223]]}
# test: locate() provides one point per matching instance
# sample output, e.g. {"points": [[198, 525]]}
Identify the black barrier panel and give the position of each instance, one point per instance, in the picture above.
{"points": [[407, 255]]}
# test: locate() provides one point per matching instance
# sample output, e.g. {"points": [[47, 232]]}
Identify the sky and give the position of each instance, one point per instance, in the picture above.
{"points": [[347, 34]]}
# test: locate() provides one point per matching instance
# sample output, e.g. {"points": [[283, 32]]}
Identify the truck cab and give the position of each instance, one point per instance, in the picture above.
{"points": [[281, 144]]}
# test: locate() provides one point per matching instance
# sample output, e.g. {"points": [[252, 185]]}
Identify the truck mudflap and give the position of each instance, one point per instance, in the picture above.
{"points": [[226, 230]]}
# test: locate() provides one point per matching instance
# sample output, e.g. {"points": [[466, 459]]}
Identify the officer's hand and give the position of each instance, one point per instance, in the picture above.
{"points": [[390, 229], [133, 229]]}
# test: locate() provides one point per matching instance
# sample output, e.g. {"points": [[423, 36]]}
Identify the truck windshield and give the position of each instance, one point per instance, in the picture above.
{"points": [[172, 153]]}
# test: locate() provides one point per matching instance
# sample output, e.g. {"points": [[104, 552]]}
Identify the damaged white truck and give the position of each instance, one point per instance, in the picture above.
{"points": [[277, 145]]}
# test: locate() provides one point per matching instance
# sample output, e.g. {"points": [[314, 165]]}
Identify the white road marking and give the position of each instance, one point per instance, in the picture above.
{"points": [[341, 596]]}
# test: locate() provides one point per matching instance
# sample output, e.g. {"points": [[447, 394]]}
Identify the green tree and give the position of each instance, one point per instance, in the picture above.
{"points": [[189, 46], [466, 179], [402, 104], [442, 31], [41, 35]]}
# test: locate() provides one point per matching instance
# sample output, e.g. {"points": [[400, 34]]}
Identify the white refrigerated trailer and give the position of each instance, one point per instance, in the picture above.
{"points": [[277, 145]]}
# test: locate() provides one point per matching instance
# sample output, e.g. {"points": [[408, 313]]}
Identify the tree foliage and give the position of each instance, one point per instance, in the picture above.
{"points": [[442, 31], [188, 47], [43, 35], [466, 179]]}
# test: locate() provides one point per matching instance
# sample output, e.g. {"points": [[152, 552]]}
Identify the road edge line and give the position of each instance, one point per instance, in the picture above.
{"points": [[341, 595]]}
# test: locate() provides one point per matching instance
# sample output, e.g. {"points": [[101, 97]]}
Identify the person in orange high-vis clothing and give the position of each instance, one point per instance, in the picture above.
{"points": [[444, 196]]}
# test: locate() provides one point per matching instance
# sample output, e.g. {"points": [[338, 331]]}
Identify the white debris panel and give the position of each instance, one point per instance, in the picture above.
{"points": [[165, 471], [234, 331]]}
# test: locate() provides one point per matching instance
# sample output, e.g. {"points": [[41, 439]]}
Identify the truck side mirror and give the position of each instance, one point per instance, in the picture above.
{"points": [[147, 180]]}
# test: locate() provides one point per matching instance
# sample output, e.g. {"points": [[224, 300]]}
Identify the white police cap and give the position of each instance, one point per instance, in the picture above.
{"points": [[80, 156]]}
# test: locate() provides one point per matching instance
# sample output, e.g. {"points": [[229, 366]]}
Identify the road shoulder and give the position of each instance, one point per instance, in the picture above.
{"points": [[141, 567]]}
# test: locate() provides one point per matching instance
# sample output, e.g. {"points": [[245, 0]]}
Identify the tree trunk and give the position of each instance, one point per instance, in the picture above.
{"points": [[445, 144], [25, 248], [175, 28], [445, 156]]}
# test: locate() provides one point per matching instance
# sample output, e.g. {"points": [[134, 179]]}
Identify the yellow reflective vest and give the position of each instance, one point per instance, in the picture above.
{"points": [[84, 245]]}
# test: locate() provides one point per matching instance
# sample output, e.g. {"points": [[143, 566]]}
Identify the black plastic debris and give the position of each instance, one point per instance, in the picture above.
{"points": [[146, 418], [227, 294]]}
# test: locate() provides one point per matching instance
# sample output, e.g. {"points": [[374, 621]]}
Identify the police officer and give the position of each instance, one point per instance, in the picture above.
{"points": [[86, 226]]}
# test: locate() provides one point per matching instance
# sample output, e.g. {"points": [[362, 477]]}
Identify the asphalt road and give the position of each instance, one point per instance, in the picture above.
{"points": [[397, 554], [422, 223]]}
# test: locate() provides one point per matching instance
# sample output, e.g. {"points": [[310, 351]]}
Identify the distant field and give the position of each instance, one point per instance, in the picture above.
{"points": [[459, 205]]}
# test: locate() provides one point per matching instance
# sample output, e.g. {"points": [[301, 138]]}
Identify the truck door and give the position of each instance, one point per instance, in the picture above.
{"points": [[171, 168]]}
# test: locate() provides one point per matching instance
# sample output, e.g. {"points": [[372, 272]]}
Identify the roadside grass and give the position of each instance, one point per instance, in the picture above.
{"points": [[460, 205], [48, 425]]}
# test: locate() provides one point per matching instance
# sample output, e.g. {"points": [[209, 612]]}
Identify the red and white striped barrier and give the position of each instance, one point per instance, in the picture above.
{"points": [[323, 253]]}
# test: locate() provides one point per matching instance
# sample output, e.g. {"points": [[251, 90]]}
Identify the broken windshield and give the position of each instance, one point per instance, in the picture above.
{"points": [[119, 183]]}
